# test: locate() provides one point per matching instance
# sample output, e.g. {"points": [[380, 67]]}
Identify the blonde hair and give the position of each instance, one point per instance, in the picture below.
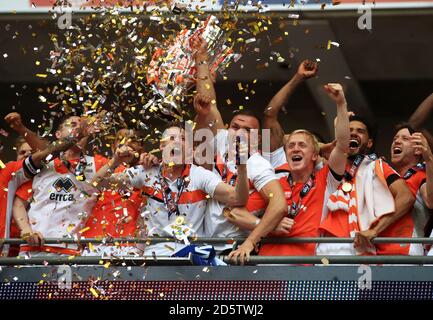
{"points": [[313, 138]]}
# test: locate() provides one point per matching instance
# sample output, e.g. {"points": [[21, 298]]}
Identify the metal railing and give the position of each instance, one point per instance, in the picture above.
{"points": [[254, 260], [155, 240]]}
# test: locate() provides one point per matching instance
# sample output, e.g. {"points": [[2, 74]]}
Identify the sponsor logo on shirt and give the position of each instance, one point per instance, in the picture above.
{"points": [[63, 187]]}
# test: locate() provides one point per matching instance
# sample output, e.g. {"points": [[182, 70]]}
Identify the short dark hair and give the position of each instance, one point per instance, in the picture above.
{"points": [[62, 120], [250, 113], [404, 125], [370, 128]]}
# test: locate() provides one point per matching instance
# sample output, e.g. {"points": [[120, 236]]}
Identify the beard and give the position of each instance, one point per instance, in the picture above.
{"points": [[363, 149]]}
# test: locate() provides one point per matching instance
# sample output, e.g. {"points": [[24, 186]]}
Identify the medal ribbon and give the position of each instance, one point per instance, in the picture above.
{"points": [[413, 170], [170, 203], [294, 209]]}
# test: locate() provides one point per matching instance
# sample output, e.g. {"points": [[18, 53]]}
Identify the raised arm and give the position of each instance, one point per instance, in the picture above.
{"points": [[306, 70], [208, 115], [234, 196], [105, 177], [275, 212], [34, 141], [421, 144], [338, 157], [420, 116]]}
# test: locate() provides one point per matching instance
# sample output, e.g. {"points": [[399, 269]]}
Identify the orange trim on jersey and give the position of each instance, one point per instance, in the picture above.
{"points": [[5, 178], [60, 167], [100, 161], [50, 249], [283, 168], [219, 166], [153, 193], [188, 197], [378, 168], [25, 191]]}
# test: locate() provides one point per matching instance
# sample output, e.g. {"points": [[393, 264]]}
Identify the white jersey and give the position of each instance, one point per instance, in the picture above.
{"points": [[278, 161], [260, 173], [61, 203], [200, 184], [276, 158]]}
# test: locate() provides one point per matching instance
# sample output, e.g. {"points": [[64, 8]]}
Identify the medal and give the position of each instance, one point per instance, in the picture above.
{"points": [[347, 187], [180, 221], [293, 211]]}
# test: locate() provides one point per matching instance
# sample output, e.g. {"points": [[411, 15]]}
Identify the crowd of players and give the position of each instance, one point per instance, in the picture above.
{"points": [[225, 187]]}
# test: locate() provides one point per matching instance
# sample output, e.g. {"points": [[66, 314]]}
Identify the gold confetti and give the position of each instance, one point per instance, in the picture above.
{"points": [[180, 221], [325, 261], [94, 292], [91, 247], [41, 75], [169, 247], [2, 165], [84, 230], [94, 105]]}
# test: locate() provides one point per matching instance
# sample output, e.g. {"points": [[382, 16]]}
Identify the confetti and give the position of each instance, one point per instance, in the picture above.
{"points": [[325, 261], [84, 230], [94, 292]]}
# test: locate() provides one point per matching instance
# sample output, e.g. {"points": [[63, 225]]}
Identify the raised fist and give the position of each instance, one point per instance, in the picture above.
{"points": [[307, 69], [335, 92]]}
